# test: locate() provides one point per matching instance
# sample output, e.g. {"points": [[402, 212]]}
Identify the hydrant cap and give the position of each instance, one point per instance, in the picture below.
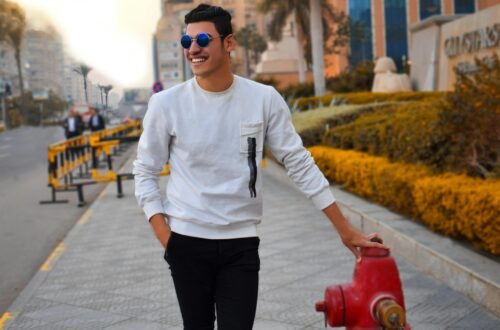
{"points": [[374, 252]]}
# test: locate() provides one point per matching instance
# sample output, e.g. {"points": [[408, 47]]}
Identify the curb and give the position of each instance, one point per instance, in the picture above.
{"points": [[429, 256]]}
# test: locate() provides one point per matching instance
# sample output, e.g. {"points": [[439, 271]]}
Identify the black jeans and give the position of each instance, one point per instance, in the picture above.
{"points": [[215, 276]]}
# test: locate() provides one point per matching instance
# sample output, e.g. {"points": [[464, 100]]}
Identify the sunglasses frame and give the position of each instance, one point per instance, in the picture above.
{"points": [[201, 34]]}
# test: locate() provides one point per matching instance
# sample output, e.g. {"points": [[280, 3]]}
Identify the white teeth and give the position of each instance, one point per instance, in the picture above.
{"points": [[197, 60]]}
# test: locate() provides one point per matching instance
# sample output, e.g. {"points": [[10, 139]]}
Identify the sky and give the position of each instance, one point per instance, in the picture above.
{"points": [[112, 36]]}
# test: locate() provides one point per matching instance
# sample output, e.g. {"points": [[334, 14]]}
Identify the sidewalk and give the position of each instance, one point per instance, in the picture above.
{"points": [[109, 271]]}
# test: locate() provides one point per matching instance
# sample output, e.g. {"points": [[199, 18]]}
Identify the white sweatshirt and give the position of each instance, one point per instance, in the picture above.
{"points": [[214, 143]]}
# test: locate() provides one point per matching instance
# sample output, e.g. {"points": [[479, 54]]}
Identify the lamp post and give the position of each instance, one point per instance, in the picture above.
{"points": [[107, 89], [101, 88], [2, 98]]}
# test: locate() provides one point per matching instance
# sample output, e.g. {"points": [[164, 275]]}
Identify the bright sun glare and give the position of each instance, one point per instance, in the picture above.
{"points": [[112, 36]]}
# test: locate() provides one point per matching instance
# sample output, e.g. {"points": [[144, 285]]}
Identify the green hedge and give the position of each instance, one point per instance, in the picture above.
{"points": [[311, 125], [364, 98], [406, 132]]}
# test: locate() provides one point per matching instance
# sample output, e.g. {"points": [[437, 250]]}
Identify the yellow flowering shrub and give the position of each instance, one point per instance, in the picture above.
{"points": [[455, 205], [461, 206]]}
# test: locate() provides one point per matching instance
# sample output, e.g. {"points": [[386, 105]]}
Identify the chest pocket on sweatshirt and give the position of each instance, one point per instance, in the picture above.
{"points": [[253, 131]]}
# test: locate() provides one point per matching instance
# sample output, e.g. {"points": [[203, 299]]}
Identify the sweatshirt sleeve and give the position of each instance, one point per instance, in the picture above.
{"points": [[286, 145], [152, 154]]}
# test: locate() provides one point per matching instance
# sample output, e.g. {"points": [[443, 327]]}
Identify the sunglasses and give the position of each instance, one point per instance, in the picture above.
{"points": [[202, 39]]}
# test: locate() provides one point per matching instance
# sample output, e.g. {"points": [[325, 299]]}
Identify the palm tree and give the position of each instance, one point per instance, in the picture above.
{"points": [[258, 45], [317, 47], [4, 21], [281, 10], [83, 70], [300, 9], [243, 36], [12, 26], [250, 40]]}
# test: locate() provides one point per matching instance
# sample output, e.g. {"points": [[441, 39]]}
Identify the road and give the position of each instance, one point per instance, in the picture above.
{"points": [[29, 232]]}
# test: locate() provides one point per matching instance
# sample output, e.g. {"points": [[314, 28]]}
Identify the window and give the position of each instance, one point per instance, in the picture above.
{"points": [[464, 6], [361, 31], [396, 40], [429, 8]]}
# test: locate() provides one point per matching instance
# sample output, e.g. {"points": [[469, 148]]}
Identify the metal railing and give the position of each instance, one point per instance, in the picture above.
{"points": [[75, 163]]}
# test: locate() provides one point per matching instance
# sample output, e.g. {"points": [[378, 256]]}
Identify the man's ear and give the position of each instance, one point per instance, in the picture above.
{"points": [[229, 43]]}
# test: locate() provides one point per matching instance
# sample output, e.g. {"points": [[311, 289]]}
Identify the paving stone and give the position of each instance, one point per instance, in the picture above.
{"points": [[478, 319], [92, 320], [56, 313], [135, 307], [135, 325], [24, 322], [261, 324]]}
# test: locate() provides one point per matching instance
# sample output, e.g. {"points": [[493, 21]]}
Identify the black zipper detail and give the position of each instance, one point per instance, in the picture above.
{"points": [[252, 164]]}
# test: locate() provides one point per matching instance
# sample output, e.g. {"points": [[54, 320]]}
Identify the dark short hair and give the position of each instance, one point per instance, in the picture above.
{"points": [[207, 13]]}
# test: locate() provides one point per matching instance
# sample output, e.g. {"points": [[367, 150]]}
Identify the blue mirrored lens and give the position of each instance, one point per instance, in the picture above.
{"points": [[186, 41], [202, 39]]}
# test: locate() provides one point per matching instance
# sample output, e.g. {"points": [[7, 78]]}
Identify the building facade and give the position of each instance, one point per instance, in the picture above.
{"points": [[452, 42], [42, 57], [8, 68], [382, 27]]}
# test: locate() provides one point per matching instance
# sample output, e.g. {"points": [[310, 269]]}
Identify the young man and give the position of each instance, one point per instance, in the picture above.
{"points": [[212, 130]]}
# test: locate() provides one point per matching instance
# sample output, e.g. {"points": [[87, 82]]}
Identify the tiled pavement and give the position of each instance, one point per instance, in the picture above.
{"points": [[109, 273]]}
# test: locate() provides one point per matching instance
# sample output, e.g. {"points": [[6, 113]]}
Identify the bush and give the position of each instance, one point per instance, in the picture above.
{"points": [[311, 125], [15, 118], [267, 81], [459, 133], [461, 207], [455, 205], [359, 79], [371, 177], [299, 90], [407, 132], [471, 117]]}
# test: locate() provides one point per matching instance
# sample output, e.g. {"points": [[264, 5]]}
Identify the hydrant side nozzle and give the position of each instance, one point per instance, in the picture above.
{"points": [[320, 306]]}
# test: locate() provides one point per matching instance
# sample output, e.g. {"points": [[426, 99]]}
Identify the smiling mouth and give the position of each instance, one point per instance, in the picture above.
{"points": [[197, 60]]}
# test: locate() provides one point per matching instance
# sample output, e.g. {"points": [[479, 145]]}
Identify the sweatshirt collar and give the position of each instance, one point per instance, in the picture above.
{"points": [[226, 91]]}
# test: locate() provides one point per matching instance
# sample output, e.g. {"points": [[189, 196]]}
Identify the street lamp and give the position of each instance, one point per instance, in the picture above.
{"points": [[101, 88], [107, 89]]}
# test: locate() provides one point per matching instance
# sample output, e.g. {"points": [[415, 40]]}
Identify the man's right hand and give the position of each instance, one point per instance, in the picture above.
{"points": [[161, 228]]}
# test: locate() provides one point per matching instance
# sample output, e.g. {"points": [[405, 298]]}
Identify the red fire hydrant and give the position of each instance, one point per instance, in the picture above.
{"points": [[373, 300]]}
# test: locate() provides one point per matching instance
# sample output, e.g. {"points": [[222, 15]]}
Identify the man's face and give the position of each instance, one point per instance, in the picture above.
{"points": [[207, 61]]}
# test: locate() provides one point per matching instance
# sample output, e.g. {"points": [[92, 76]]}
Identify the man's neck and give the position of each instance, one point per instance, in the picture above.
{"points": [[216, 84]]}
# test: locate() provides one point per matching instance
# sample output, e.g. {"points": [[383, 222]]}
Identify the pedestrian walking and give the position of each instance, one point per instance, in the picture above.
{"points": [[73, 125], [212, 130], [96, 121]]}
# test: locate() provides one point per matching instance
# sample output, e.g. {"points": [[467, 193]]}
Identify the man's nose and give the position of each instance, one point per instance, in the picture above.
{"points": [[194, 48]]}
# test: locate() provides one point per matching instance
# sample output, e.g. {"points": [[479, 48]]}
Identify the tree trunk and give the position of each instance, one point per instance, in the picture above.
{"points": [[317, 47], [21, 81], [85, 89], [247, 61], [300, 52]]}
